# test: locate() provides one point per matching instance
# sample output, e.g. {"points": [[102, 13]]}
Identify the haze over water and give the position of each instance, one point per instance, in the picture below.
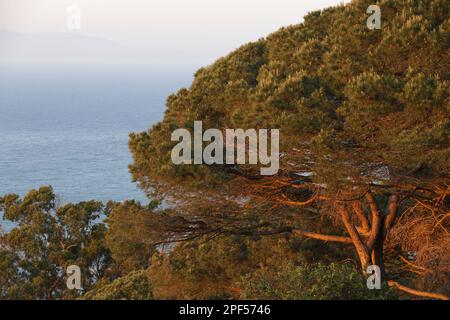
{"points": [[69, 127]]}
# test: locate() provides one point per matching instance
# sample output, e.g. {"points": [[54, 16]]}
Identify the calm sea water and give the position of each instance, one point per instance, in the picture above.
{"points": [[69, 128]]}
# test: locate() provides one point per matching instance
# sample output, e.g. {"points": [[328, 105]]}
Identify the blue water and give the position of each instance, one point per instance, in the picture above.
{"points": [[69, 127]]}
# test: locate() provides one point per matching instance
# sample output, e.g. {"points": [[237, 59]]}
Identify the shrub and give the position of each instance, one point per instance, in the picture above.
{"points": [[310, 282]]}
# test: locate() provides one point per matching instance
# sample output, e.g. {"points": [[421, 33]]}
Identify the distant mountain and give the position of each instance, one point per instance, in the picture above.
{"points": [[59, 47]]}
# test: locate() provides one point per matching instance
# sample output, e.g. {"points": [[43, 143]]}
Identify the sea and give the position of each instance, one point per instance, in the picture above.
{"points": [[68, 126]]}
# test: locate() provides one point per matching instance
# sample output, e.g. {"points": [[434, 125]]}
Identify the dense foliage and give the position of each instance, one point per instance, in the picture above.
{"points": [[364, 128], [47, 239], [364, 120], [311, 282]]}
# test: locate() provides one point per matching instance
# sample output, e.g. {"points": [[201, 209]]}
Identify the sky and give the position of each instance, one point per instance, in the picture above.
{"points": [[187, 30]]}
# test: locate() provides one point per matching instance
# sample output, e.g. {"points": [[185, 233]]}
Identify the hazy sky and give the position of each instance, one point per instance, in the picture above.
{"points": [[197, 30]]}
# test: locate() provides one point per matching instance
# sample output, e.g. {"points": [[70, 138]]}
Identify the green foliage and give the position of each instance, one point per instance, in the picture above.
{"points": [[213, 269], [129, 236], [210, 270], [46, 240], [383, 96], [310, 282], [133, 286]]}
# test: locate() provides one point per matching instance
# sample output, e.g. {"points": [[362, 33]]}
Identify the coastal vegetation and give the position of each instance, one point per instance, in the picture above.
{"points": [[364, 123]]}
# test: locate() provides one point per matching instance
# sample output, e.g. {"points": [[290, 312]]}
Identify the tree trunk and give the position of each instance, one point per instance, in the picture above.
{"points": [[370, 252], [361, 249], [377, 256]]}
